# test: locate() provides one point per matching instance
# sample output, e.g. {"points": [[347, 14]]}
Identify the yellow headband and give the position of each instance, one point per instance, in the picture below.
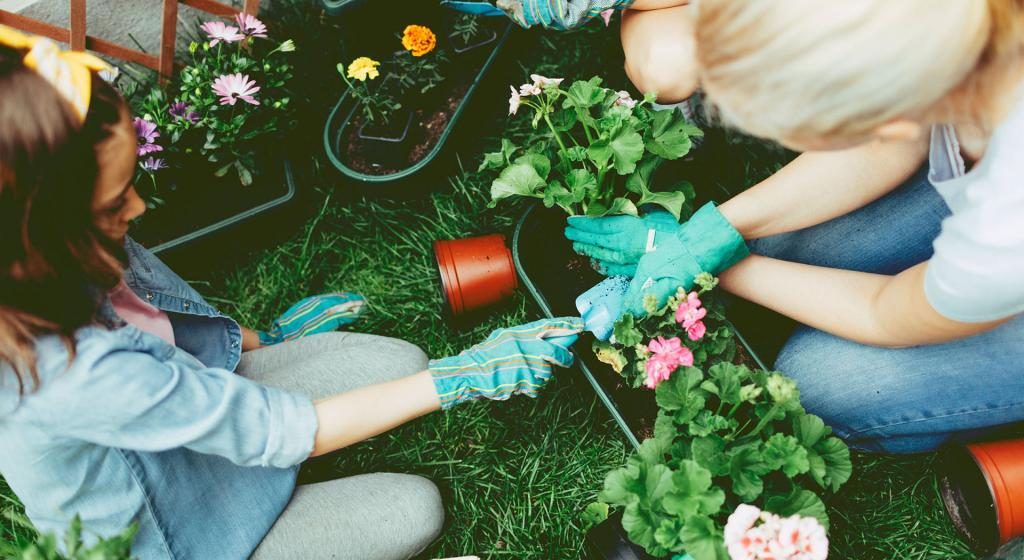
{"points": [[68, 71]]}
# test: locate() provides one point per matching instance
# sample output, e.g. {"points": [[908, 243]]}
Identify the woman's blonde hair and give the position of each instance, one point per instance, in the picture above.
{"points": [[808, 69]]}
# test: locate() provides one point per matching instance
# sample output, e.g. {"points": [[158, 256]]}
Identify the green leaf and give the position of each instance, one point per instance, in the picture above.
{"points": [[703, 540], [600, 152], [669, 534], [838, 467], [625, 331], [563, 120], [810, 429], [610, 354], [627, 147], [671, 201], [693, 494], [639, 181], [244, 174], [664, 429], [784, 452], [576, 153], [492, 160], [729, 377], [640, 526], [519, 179], [681, 394], [585, 94], [582, 183], [539, 162], [557, 194], [799, 502], [709, 451], [707, 423], [622, 486], [594, 514], [669, 135], [746, 469]]}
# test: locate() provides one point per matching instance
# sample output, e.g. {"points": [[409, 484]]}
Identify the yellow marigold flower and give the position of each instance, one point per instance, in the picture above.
{"points": [[418, 40], [362, 68]]}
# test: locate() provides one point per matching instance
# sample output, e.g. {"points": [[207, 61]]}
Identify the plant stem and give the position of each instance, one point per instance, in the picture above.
{"points": [[764, 421], [558, 137]]}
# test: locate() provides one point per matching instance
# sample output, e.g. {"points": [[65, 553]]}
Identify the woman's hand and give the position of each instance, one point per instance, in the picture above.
{"points": [[512, 361], [672, 256], [312, 315]]}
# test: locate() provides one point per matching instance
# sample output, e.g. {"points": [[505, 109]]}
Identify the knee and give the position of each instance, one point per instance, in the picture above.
{"points": [[425, 511], [660, 53], [408, 353]]}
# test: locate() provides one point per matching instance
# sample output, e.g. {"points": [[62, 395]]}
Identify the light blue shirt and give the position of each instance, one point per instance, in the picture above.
{"points": [[132, 429]]}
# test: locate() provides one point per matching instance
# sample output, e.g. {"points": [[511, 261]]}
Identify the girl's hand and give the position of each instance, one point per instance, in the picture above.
{"points": [[516, 360], [312, 315]]}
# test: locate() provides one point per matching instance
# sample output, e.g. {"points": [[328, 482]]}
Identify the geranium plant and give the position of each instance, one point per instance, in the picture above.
{"points": [[725, 437], [689, 330], [231, 96], [600, 151]]}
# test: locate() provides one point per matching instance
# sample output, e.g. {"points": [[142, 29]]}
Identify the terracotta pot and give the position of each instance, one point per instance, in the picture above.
{"points": [[982, 487], [476, 272]]}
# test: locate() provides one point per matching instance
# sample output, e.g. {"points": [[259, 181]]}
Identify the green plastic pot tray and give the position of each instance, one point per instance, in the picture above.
{"points": [[337, 7], [555, 276], [343, 112]]}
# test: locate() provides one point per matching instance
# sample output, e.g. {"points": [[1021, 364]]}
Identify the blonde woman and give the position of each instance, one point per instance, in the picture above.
{"points": [[897, 237]]}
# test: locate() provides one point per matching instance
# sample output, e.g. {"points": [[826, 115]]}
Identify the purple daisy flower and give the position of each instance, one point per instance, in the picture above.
{"points": [[179, 110], [153, 164], [251, 26], [147, 134]]}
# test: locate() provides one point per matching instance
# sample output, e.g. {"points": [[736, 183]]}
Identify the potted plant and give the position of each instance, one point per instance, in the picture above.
{"points": [[207, 142], [427, 79], [723, 436]]}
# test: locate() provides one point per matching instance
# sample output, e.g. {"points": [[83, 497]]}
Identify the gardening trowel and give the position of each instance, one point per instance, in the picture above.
{"points": [[601, 306]]}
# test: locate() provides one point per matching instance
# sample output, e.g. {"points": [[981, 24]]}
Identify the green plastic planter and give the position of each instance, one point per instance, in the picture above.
{"points": [[540, 251], [345, 110], [337, 7]]}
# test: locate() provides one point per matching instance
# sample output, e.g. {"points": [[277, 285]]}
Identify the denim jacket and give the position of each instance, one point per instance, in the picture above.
{"points": [[133, 429]]}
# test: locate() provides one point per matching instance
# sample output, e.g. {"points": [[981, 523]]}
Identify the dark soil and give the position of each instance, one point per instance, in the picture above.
{"points": [[427, 127]]}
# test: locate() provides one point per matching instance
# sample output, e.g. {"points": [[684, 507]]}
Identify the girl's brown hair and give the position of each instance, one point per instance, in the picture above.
{"points": [[55, 263]]}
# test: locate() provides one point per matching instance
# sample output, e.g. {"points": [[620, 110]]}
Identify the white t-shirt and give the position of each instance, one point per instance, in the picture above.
{"points": [[977, 271]]}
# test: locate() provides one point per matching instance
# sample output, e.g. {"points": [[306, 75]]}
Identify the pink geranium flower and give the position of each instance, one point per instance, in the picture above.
{"points": [[666, 357], [251, 26], [752, 534], [696, 331], [232, 87], [690, 311], [219, 31], [607, 17]]}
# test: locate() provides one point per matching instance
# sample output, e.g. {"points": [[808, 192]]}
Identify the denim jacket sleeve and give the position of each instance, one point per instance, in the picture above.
{"points": [[123, 392]]}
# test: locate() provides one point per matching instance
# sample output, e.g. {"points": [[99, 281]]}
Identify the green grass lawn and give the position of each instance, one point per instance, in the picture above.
{"points": [[514, 475]]}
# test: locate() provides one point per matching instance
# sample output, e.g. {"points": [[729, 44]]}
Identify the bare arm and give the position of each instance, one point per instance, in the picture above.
{"points": [[356, 415], [250, 340], [818, 186], [657, 4], [873, 309]]}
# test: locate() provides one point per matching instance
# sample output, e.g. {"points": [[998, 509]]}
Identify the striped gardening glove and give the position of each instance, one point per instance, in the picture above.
{"points": [[512, 361], [312, 315], [553, 14]]}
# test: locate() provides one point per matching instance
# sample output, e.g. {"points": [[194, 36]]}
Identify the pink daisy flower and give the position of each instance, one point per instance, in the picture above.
{"points": [[232, 87], [251, 26], [219, 31]]}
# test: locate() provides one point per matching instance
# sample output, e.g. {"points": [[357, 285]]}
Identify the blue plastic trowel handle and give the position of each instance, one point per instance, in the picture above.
{"points": [[475, 8]]}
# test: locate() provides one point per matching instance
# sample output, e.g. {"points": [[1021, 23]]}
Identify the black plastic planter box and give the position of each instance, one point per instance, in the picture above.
{"points": [[207, 220], [345, 112]]}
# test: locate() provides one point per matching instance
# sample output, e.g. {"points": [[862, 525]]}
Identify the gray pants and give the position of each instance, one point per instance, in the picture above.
{"points": [[379, 516]]}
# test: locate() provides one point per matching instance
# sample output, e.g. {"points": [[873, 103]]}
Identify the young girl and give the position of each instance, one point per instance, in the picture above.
{"points": [[909, 284], [125, 397]]}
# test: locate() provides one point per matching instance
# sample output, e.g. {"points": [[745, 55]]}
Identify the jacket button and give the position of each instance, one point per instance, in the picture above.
{"points": [[149, 296], [187, 305]]}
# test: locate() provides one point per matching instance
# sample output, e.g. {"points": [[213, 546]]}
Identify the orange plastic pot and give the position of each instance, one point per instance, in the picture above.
{"points": [[476, 272], [982, 487]]}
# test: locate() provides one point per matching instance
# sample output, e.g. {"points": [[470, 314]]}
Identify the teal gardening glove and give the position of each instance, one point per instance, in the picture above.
{"points": [[671, 258], [312, 315], [616, 243], [512, 361]]}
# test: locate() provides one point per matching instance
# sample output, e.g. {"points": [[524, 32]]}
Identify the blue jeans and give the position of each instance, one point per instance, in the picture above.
{"points": [[905, 400]]}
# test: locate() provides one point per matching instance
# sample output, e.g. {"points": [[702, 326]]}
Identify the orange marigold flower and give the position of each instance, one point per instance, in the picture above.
{"points": [[418, 40]]}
